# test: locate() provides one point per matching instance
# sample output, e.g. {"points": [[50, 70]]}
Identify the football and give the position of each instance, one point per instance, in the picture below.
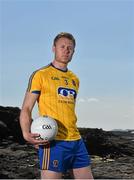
{"points": [[45, 126]]}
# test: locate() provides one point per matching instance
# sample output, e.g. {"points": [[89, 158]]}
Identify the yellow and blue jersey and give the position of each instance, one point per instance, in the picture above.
{"points": [[58, 91]]}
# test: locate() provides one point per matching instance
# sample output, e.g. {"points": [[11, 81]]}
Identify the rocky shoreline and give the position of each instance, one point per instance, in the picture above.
{"points": [[112, 152]]}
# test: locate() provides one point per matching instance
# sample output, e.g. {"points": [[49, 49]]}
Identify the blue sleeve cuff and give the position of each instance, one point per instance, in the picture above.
{"points": [[36, 92]]}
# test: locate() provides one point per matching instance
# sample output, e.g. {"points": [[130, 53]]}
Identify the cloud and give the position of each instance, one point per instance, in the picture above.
{"points": [[89, 100], [81, 100], [93, 100]]}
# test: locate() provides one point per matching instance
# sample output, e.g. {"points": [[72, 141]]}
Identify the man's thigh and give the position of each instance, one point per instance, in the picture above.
{"points": [[82, 173], [47, 174]]}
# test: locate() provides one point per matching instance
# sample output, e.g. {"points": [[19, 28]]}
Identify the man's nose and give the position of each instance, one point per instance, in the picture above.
{"points": [[67, 50]]}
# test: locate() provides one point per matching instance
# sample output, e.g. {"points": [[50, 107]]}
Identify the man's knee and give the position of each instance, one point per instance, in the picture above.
{"points": [[51, 174], [83, 173]]}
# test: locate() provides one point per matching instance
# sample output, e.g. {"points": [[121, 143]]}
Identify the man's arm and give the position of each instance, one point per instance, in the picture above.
{"points": [[25, 119]]}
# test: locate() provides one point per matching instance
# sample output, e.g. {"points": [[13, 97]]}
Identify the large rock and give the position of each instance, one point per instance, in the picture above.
{"points": [[98, 141], [112, 153], [108, 143], [9, 124]]}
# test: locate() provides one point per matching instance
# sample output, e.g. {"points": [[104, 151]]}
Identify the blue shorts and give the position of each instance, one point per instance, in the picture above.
{"points": [[60, 156]]}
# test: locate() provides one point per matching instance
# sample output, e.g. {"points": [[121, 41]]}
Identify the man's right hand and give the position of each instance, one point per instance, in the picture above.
{"points": [[32, 138]]}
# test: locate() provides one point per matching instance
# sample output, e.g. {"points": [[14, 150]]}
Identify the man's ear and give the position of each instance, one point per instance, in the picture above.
{"points": [[53, 48]]}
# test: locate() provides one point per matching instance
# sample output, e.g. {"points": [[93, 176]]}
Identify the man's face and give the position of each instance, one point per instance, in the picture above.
{"points": [[63, 50]]}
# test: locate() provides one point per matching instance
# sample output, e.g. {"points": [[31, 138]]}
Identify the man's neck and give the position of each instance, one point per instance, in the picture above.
{"points": [[59, 65]]}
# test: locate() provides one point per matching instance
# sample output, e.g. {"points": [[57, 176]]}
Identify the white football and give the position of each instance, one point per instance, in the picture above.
{"points": [[45, 126]]}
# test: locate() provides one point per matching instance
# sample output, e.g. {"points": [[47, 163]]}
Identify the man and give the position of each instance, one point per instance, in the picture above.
{"points": [[55, 88]]}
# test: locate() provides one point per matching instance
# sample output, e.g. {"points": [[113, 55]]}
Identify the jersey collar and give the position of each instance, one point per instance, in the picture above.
{"points": [[58, 68]]}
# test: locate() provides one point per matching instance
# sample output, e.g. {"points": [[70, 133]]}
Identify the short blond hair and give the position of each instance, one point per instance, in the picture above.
{"points": [[65, 35]]}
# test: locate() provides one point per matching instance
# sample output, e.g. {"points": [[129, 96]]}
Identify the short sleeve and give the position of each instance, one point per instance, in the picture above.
{"points": [[35, 83]]}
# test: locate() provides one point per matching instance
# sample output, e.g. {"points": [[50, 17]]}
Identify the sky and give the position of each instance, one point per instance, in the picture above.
{"points": [[103, 59]]}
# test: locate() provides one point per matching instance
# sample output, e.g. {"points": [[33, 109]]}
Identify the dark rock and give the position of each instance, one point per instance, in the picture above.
{"points": [[112, 153], [3, 130], [103, 143], [9, 124]]}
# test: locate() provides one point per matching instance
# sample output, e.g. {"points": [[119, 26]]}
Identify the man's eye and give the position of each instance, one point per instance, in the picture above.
{"points": [[70, 48]]}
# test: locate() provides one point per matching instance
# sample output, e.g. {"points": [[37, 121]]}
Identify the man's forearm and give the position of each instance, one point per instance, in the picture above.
{"points": [[25, 121]]}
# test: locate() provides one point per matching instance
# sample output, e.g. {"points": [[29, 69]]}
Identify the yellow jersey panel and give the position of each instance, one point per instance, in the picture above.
{"points": [[58, 91]]}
